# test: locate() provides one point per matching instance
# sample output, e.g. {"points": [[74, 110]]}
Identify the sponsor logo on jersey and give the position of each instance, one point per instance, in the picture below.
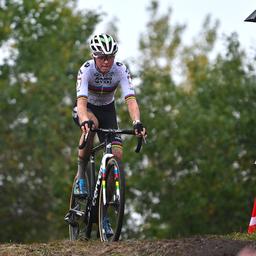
{"points": [[99, 79], [87, 64]]}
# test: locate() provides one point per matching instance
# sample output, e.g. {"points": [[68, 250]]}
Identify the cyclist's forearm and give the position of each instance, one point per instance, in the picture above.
{"points": [[82, 109], [133, 109]]}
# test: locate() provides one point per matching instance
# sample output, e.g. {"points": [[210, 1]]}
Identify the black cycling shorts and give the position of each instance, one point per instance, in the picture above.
{"points": [[106, 116]]}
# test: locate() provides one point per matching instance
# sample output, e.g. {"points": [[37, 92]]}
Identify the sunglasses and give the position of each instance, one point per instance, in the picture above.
{"points": [[104, 56]]}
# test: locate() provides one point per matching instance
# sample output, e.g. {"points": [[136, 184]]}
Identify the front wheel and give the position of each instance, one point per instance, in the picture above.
{"points": [[111, 202]]}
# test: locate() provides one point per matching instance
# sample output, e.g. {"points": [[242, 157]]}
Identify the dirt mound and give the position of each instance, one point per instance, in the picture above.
{"points": [[202, 246]]}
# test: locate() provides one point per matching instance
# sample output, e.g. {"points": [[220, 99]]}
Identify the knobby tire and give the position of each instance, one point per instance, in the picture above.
{"points": [[115, 206]]}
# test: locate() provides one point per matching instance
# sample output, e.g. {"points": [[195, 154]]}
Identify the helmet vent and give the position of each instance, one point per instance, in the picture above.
{"points": [[103, 44]]}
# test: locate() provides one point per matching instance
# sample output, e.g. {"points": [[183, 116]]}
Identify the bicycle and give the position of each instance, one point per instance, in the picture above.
{"points": [[106, 195]]}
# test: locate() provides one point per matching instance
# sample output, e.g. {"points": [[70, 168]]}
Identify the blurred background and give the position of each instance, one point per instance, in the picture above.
{"points": [[193, 66]]}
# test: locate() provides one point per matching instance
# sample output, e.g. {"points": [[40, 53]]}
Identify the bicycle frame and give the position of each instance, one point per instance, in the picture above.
{"points": [[101, 179], [102, 171], [98, 187]]}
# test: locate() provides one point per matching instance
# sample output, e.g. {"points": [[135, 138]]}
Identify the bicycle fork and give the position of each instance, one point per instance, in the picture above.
{"points": [[116, 181], [101, 178], [104, 178]]}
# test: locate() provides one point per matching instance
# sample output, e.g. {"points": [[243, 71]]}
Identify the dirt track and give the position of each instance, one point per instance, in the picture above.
{"points": [[190, 246]]}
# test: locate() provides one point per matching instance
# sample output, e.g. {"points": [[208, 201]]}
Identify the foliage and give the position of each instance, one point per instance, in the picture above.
{"points": [[196, 174], [47, 41]]}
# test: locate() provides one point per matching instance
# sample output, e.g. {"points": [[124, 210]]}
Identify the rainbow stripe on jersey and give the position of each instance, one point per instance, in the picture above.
{"points": [[100, 89]]}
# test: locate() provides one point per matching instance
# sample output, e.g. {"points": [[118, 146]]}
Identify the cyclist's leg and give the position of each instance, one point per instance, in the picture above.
{"points": [[106, 116], [83, 154], [117, 148], [107, 119]]}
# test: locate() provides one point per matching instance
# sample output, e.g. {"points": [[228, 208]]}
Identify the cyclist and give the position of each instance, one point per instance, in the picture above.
{"points": [[97, 81]]}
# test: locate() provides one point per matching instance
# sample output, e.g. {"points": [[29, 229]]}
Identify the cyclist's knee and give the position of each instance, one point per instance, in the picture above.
{"points": [[85, 152], [92, 117], [117, 152], [83, 155]]}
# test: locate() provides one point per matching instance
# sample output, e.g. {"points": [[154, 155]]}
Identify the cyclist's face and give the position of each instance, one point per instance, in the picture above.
{"points": [[104, 62]]}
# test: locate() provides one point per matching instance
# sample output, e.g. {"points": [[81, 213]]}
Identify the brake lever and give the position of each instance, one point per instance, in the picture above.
{"points": [[81, 146], [139, 144]]}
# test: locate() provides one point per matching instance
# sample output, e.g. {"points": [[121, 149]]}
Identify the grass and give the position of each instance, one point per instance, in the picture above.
{"points": [[241, 236]]}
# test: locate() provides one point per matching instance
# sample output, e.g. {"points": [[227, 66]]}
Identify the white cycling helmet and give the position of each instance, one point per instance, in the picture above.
{"points": [[103, 44]]}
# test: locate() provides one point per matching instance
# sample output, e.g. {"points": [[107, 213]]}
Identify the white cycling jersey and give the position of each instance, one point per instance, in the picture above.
{"points": [[99, 88]]}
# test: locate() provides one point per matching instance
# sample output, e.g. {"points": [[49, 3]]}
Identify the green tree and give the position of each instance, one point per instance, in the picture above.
{"points": [[47, 41], [157, 97], [196, 174], [220, 148]]}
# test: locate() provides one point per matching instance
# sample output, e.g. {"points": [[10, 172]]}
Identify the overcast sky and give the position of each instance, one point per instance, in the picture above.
{"points": [[132, 18]]}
